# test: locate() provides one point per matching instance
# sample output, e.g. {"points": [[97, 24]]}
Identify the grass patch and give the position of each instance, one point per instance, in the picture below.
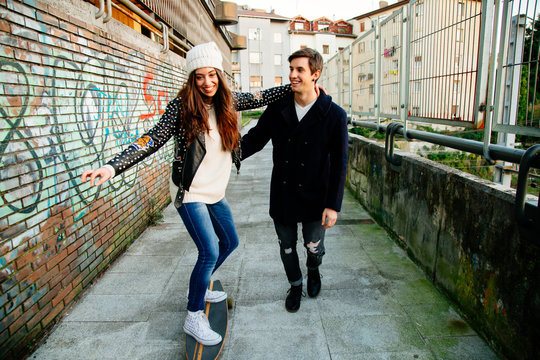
{"points": [[154, 217], [247, 116]]}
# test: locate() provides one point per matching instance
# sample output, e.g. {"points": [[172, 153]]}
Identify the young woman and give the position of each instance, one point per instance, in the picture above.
{"points": [[203, 121]]}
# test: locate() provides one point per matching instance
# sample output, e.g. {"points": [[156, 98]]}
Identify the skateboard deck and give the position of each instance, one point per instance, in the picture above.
{"points": [[218, 315]]}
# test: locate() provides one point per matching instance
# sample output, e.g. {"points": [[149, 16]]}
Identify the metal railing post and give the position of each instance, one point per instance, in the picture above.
{"points": [[108, 17], [405, 67], [340, 80], [490, 109], [101, 9], [377, 76], [350, 81], [165, 32]]}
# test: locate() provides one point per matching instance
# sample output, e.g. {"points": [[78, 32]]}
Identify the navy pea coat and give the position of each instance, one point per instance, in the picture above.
{"points": [[310, 157]]}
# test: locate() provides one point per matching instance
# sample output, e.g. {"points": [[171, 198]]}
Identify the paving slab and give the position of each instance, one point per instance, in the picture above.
{"points": [[375, 303]]}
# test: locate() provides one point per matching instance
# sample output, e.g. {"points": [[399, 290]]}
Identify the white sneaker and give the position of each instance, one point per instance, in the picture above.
{"points": [[213, 296], [197, 325]]}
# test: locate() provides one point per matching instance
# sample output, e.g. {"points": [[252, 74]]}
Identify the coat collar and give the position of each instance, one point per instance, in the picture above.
{"points": [[318, 110]]}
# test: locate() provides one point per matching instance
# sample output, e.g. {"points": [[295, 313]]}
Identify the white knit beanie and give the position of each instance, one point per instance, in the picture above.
{"points": [[204, 55]]}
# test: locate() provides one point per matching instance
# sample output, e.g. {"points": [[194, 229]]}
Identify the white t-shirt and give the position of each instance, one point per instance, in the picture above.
{"points": [[302, 111], [212, 176]]}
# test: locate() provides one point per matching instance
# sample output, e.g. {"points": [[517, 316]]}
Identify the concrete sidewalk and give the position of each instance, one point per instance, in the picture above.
{"points": [[374, 304]]}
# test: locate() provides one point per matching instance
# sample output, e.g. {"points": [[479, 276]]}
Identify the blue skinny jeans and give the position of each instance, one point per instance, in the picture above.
{"points": [[212, 229]]}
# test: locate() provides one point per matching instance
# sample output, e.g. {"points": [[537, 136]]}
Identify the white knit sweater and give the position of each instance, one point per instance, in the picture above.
{"points": [[212, 176]]}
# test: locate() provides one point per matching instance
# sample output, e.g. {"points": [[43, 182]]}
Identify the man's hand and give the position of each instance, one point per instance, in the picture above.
{"points": [[329, 218], [103, 173]]}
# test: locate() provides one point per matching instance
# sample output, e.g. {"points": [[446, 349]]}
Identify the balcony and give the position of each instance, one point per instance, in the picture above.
{"points": [[226, 13]]}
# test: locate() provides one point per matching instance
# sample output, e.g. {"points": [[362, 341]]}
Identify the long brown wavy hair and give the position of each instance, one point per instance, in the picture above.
{"points": [[194, 116]]}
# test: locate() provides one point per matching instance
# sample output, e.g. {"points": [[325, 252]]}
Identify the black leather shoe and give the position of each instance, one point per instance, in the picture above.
{"points": [[292, 303], [313, 283]]}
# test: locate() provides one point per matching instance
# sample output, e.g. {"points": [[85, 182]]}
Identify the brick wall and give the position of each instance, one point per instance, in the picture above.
{"points": [[72, 94]]}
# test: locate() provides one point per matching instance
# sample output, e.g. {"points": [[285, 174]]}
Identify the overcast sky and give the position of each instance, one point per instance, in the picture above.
{"points": [[313, 9]]}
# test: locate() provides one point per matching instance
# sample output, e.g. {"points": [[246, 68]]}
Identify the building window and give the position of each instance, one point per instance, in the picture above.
{"points": [[394, 110], [371, 89], [255, 81], [415, 111], [419, 8], [395, 40], [456, 86], [298, 26], [417, 86], [340, 48], [362, 26], [418, 61], [459, 35], [277, 38], [372, 45], [394, 88], [361, 47], [278, 81], [419, 34], [254, 58], [254, 34], [455, 111], [324, 28], [457, 61], [277, 59], [395, 65], [461, 9], [325, 49]]}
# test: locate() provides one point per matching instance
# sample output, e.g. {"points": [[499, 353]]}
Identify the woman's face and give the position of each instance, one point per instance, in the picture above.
{"points": [[207, 81]]}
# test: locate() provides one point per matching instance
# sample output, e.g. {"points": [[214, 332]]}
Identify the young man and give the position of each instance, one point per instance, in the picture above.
{"points": [[309, 138]]}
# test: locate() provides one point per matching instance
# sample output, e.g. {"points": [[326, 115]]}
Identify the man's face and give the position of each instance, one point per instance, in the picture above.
{"points": [[300, 76]]}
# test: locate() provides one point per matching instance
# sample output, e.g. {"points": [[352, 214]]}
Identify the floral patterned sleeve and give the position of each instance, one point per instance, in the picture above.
{"points": [[246, 101], [151, 141]]}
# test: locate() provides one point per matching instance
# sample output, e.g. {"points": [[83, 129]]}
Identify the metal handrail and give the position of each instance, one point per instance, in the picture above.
{"points": [[153, 22], [498, 152], [108, 15], [530, 155], [101, 9], [162, 26]]}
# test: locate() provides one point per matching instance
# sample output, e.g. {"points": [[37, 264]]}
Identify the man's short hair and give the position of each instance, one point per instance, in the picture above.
{"points": [[315, 59]]}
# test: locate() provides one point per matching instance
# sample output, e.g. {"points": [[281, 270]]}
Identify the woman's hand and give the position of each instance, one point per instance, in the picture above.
{"points": [[103, 173], [318, 89]]}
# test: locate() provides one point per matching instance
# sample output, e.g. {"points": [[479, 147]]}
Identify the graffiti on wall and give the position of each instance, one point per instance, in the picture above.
{"points": [[63, 119], [78, 120]]}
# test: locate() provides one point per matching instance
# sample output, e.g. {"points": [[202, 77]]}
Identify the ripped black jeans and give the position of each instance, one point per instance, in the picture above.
{"points": [[313, 234]]}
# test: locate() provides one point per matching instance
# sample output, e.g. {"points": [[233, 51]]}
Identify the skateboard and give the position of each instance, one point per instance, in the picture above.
{"points": [[218, 316]]}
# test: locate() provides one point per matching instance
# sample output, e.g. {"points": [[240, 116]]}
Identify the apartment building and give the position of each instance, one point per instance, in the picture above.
{"points": [[263, 63], [324, 35]]}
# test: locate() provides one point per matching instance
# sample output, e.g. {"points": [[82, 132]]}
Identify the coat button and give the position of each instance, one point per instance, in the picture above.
{"points": [[299, 185], [302, 164], [284, 182]]}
